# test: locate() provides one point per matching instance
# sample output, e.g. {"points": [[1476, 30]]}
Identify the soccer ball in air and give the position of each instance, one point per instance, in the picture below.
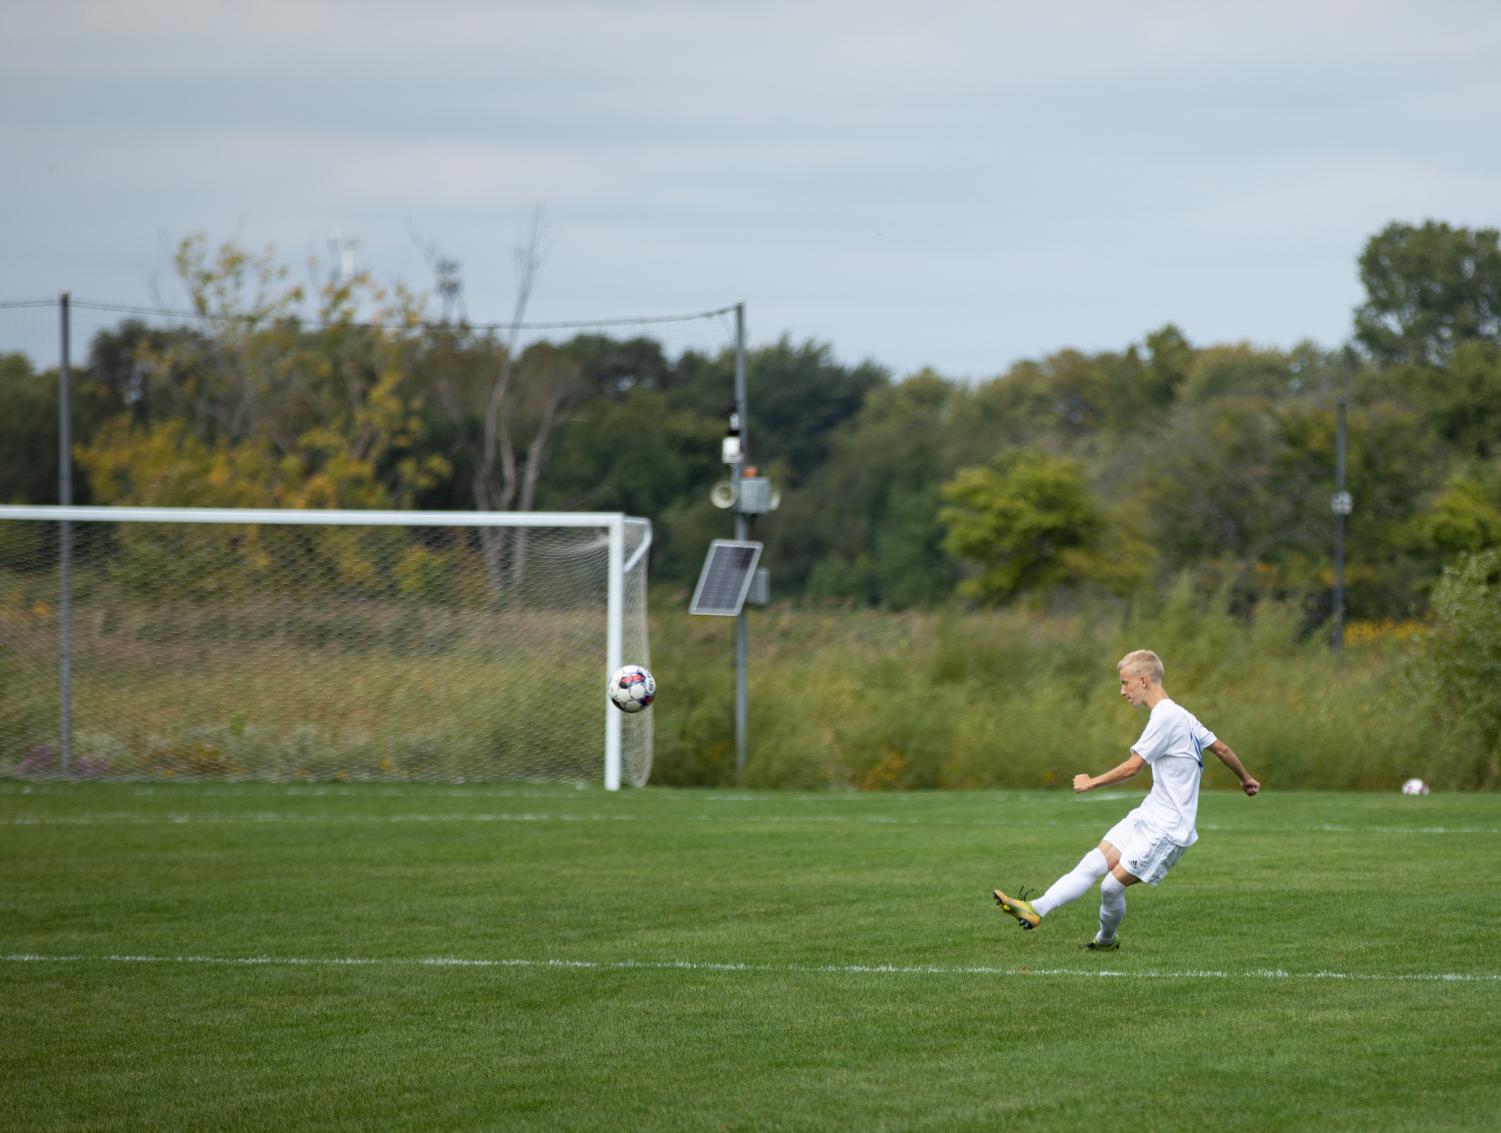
{"points": [[1414, 787], [632, 689]]}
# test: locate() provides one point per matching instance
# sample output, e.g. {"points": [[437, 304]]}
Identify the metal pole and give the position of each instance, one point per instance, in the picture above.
{"points": [[1339, 527], [741, 637], [614, 644], [65, 537]]}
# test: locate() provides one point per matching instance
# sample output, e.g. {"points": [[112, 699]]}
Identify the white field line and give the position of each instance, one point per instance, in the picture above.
{"points": [[560, 791], [758, 969], [177, 818], [137, 818], [543, 792], [129, 818]]}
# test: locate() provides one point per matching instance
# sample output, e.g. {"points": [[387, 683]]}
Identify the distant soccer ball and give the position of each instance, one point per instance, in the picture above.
{"points": [[632, 689], [1414, 787]]}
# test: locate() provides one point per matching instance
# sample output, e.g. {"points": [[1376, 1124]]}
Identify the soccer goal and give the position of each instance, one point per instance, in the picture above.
{"points": [[165, 643]]}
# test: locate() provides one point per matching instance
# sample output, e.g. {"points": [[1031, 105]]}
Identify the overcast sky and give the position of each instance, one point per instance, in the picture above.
{"points": [[949, 184]]}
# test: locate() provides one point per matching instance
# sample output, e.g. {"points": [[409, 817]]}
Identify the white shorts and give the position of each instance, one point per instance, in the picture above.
{"points": [[1145, 854]]}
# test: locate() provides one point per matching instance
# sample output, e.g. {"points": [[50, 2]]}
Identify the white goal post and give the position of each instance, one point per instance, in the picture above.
{"points": [[198, 643]]}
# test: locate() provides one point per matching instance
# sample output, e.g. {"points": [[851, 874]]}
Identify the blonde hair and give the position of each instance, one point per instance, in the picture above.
{"points": [[1141, 663]]}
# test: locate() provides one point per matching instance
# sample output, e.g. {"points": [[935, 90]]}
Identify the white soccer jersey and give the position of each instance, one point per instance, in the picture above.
{"points": [[1173, 744]]}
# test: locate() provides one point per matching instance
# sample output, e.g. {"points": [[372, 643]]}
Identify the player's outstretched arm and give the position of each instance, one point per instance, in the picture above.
{"points": [[1117, 774], [1247, 784]]}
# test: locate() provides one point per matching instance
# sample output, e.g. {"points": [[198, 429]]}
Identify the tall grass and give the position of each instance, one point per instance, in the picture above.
{"points": [[1014, 698], [841, 699], [286, 688]]}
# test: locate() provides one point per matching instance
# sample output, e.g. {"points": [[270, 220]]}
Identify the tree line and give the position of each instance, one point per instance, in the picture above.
{"points": [[1070, 477]]}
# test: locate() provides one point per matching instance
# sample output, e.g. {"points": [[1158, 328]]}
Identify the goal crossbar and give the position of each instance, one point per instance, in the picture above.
{"points": [[314, 516]]}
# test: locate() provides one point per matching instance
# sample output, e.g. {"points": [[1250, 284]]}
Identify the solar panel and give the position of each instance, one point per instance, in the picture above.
{"points": [[726, 577]]}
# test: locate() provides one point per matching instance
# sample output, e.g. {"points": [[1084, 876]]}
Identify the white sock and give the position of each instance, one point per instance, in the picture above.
{"points": [[1112, 908], [1072, 885]]}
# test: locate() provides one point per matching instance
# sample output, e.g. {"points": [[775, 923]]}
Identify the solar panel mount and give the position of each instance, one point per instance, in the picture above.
{"points": [[725, 580]]}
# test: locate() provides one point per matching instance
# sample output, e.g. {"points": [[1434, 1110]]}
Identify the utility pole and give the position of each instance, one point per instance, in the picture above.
{"points": [[1341, 504], [730, 577], [742, 528]]}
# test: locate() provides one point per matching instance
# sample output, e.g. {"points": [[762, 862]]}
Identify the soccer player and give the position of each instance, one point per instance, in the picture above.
{"points": [[1145, 844]]}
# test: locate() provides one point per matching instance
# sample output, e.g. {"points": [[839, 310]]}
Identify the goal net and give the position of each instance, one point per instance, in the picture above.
{"points": [[145, 643]]}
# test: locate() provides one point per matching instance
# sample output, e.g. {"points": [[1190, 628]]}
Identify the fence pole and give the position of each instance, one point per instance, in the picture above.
{"points": [[65, 537], [742, 531]]}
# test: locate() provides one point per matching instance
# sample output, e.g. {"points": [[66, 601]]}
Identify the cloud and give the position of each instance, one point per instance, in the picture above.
{"points": [[961, 184]]}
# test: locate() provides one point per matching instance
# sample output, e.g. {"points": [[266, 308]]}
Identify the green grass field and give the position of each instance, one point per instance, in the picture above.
{"points": [[473, 957]]}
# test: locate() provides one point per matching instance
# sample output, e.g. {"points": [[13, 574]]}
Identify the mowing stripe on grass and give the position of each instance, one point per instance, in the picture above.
{"points": [[763, 969], [133, 818]]}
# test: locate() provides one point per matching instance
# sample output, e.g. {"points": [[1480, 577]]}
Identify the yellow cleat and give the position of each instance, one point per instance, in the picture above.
{"points": [[1020, 908]]}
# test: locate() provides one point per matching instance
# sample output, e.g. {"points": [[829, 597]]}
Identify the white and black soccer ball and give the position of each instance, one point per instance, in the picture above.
{"points": [[632, 688], [1414, 787]]}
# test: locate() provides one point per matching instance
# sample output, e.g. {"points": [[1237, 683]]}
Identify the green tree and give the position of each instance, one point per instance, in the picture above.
{"points": [[324, 409], [28, 432], [29, 428], [1168, 358], [612, 367], [1461, 399], [1429, 288], [1025, 523], [1236, 371], [1467, 407], [799, 397], [1220, 482], [1459, 670], [1072, 401], [1237, 490], [258, 408], [635, 453], [865, 528], [638, 453], [1466, 515], [1065, 396]]}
